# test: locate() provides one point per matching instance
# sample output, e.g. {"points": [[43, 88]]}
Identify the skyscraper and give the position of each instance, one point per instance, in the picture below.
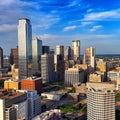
{"points": [[1, 58], [45, 49], [60, 51], [89, 58], [36, 54], [47, 68], [76, 49], [100, 101], [68, 53], [14, 57], [24, 47]]}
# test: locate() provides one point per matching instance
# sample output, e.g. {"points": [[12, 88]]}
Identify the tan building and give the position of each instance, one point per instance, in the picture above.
{"points": [[96, 77], [89, 59], [101, 65], [10, 84], [100, 101], [75, 49]]}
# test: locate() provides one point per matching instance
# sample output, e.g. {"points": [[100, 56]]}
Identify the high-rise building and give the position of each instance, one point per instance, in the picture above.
{"points": [[89, 58], [36, 54], [25, 48], [100, 101], [14, 57], [1, 58], [68, 52], [45, 49], [47, 68], [60, 51], [76, 49], [6, 62], [59, 63]]}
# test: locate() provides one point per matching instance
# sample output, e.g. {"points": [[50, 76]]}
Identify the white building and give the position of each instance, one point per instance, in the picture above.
{"points": [[100, 101], [73, 76]]}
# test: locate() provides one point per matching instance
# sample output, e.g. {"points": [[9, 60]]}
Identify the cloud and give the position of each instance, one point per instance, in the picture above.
{"points": [[105, 15], [70, 28], [94, 28], [84, 23], [7, 27]]}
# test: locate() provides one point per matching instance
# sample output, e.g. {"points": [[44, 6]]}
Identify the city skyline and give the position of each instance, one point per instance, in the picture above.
{"points": [[94, 23]]}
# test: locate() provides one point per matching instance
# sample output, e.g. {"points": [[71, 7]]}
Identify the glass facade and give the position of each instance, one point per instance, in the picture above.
{"points": [[24, 48]]}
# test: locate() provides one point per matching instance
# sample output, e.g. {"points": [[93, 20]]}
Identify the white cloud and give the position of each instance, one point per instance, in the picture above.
{"points": [[94, 28], [106, 15], [7, 27], [86, 23], [70, 28]]}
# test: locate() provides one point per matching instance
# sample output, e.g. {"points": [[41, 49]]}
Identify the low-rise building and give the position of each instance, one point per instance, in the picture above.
{"points": [[32, 83]]}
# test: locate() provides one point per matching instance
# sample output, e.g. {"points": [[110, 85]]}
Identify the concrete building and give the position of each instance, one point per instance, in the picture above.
{"points": [[47, 68], [36, 55], [96, 77], [1, 58], [25, 48], [75, 49], [45, 49], [89, 59], [13, 105], [73, 76], [100, 101], [14, 57], [32, 84], [60, 51]]}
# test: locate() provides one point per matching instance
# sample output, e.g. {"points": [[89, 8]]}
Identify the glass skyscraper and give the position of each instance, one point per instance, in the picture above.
{"points": [[24, 48]]}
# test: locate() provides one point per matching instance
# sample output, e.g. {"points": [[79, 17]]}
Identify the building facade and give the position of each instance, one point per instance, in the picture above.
{"points": [[76, 49], [24, 48], [36, 55], [45, 49], [1, 58], [73, 76], [89, 58], [68, 53], [100, 101], [47, 68], [32, 84], [14, 57]]}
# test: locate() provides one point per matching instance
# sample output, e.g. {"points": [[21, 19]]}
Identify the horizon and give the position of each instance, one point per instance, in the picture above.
{"points": [[94, 23]]}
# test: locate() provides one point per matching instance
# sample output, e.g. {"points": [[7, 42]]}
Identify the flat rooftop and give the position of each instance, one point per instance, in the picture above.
{"points": [[9, 94]]}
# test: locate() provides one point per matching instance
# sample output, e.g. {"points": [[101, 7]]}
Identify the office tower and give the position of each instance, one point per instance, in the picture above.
{"points": [[24, 48], [60, 51], [100, 101], [13, 105], [52, 52], [101, 65], [36, 55], [89, 58], [34, 83], [14, 57], [47, 68], [76, 49], [59, 63], [1, 58], [45, 49], [73, 76], [6, 61], [34, 104], [68, 52]]}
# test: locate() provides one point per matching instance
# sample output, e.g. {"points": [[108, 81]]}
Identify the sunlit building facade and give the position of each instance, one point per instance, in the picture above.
{"points": [[24, 48]]}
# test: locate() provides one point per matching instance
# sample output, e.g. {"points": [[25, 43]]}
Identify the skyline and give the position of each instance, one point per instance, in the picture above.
{"points": [[94, 23]]}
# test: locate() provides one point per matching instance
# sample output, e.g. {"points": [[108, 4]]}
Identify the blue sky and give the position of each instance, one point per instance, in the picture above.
{"points": [[96, 23]]}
